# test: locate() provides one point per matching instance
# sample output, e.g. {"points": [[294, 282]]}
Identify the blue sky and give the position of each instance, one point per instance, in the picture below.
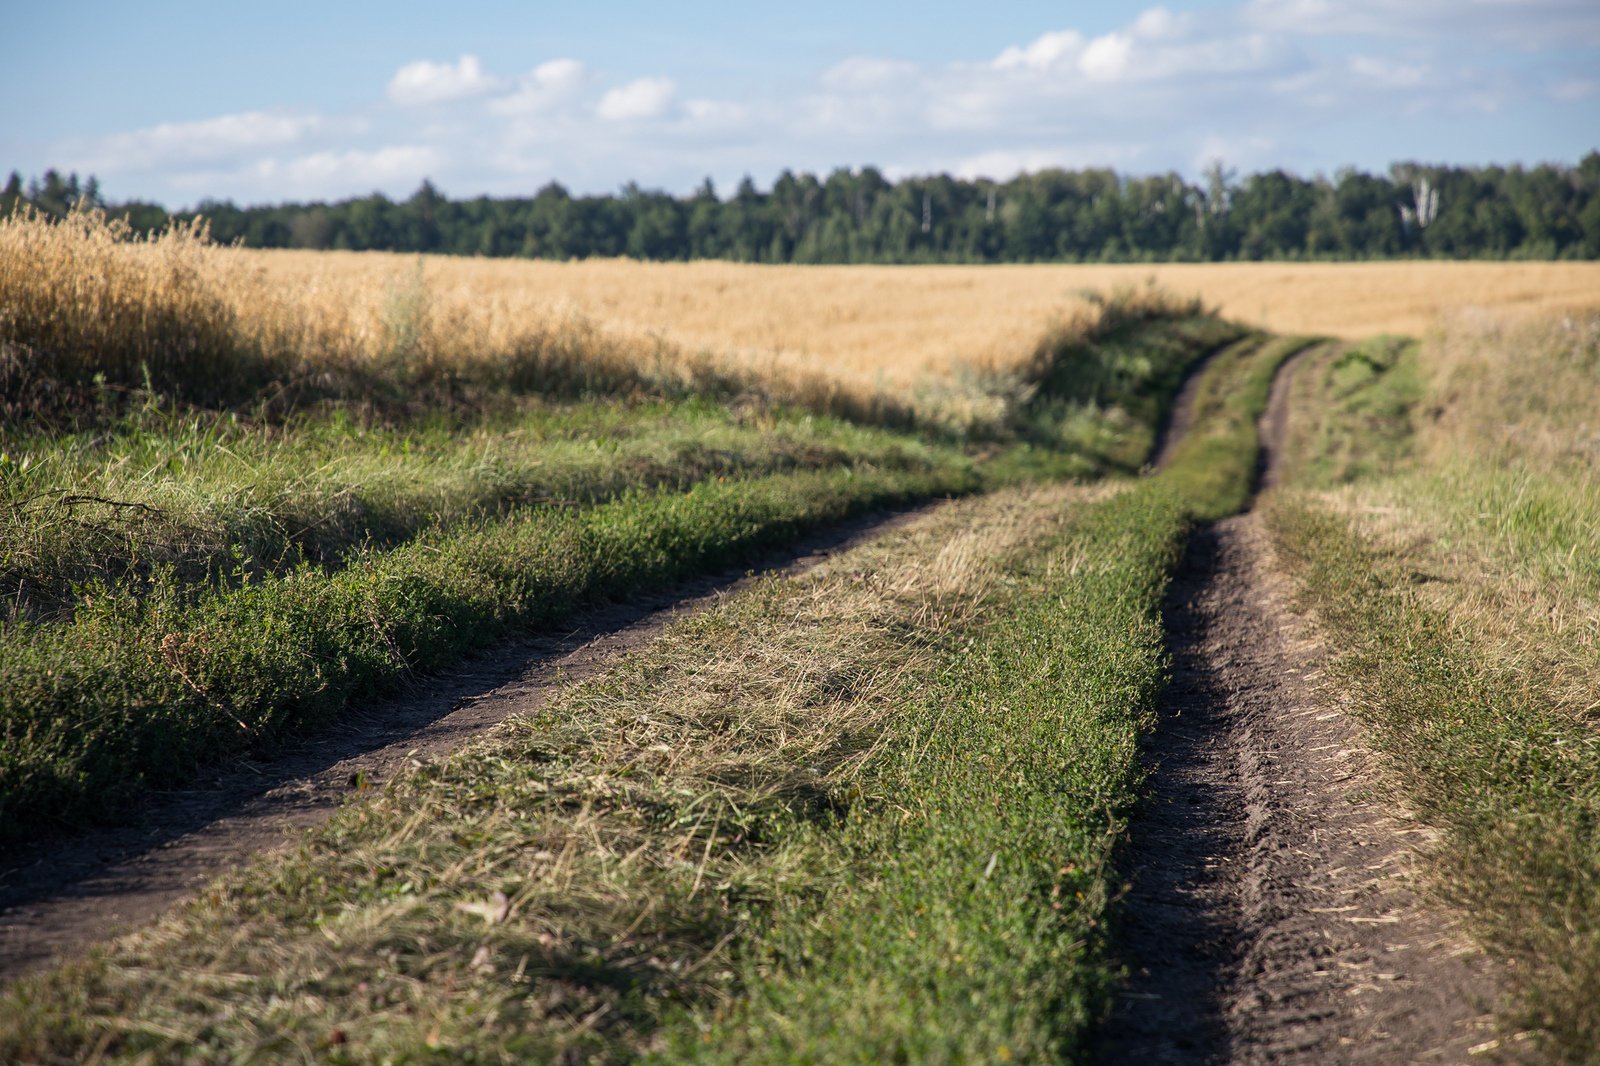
{"points": [[182, 101]]}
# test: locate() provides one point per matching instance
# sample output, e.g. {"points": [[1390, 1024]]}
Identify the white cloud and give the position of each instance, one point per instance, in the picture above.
{"points": [[320, 175], [866, 72], [715, 113], [1159, 24], [642, 98], [1002, 164], [542, 88], [426, 82], [1046, 51], [1106, 58], [363, 168]]}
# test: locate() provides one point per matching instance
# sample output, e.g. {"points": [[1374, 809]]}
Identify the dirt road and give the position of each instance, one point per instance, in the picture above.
{"points": [[66, 893], [1274, 914]]}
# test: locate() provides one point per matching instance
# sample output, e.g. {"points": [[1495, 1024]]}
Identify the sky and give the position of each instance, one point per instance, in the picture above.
{"points": [[179, 101]]}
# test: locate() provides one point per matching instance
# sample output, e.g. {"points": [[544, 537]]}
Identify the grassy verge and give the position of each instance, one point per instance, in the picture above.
{"points": [[140, 687], [1490, 752], [1453, 567], [204, 493]]}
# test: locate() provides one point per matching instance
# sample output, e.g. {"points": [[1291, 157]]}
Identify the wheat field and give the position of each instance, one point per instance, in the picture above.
{"points": [[873, 341], [898, 324]]}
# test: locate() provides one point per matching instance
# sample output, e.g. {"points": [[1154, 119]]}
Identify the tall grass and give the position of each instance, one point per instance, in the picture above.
{"points": [[1455, 564], [89, 307], [201, 495]]}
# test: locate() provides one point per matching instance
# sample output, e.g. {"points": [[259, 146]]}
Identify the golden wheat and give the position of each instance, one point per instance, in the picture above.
{"points": [[839, 339], [900, 323]]}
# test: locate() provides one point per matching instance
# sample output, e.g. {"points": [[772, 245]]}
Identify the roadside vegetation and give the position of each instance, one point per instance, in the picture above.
{"points": [[871, 812], [1442, 519], [230, 508]]}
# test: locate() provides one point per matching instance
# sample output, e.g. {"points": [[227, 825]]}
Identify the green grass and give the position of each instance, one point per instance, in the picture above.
{"points": [[141, 686], [1441, 524], [633, 826], [965, 917], [183, 585], [1488, 750], [1216, 465], [1359, 401], [968, 916], [203, 493]]}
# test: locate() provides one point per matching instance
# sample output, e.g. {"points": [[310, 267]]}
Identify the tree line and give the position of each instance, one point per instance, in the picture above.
{"points": [[1549, 211]]}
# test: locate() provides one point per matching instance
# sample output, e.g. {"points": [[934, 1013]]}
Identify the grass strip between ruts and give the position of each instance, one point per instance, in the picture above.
{"points": [[967, 918], [969, 922], [138, 690]]}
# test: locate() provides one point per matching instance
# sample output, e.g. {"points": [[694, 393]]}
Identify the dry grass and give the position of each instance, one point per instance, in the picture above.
{"points": [[903, 324], [862, 341], [551, 891], [1497, 510], [85, 304]]}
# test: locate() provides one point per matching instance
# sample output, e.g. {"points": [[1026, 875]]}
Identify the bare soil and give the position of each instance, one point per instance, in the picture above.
{"points": [[1274, 913], [64, 893], [1180, 416]]}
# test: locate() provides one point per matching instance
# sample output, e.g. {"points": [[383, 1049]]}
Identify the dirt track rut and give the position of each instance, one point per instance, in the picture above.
{"points": [[1274, 914], [66, 893]]}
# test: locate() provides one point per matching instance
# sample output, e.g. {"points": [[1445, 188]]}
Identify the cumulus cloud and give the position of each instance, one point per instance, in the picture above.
{"points": [[639, 99], [1044, 52], [1106, 58], [543, 88], [426, 82]]}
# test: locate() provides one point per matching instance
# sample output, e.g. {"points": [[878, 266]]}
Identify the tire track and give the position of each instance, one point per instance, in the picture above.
{"points": [[1274, 914], [64, 893]]}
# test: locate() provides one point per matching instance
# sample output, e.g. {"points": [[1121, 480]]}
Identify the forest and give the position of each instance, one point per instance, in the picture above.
{"points": [[1550, 211]]}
